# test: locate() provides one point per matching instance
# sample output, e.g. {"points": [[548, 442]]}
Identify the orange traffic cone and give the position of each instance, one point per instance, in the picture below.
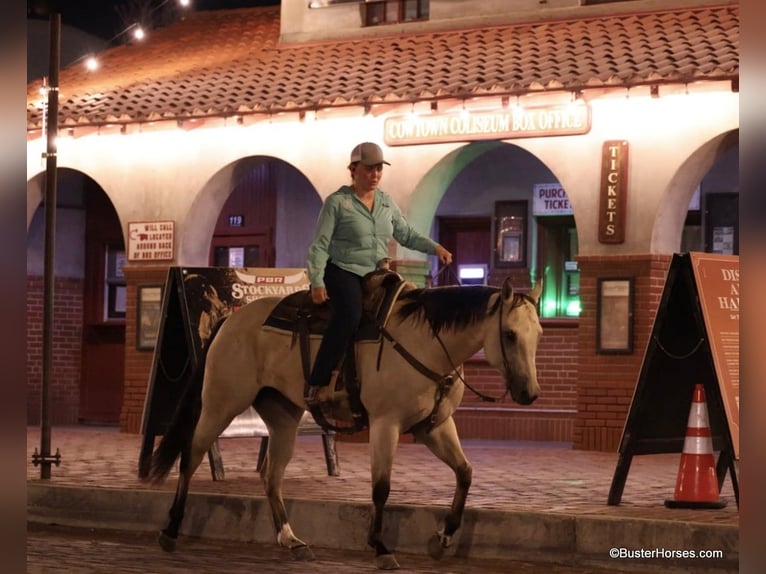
{"points": [[697, 483]]}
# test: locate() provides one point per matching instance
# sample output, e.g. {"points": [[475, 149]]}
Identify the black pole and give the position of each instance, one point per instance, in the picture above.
{"points": [[45, 459]]}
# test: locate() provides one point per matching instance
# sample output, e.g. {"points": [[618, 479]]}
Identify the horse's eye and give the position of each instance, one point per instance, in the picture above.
{"points": [[510, 336]]}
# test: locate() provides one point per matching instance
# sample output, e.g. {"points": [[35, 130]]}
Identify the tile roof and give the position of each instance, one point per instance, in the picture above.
{"points": [[230, 61]]}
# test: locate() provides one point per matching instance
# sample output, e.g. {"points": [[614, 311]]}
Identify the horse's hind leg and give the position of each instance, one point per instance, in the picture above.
{"points": [[383, 441], [205, 433], [444, 442], [282, 418]]}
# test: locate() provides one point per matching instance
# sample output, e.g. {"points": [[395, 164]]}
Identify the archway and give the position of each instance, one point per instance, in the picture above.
{"points": [[89, 303]]}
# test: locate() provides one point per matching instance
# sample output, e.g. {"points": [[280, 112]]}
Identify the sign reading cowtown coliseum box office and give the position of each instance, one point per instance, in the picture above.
{"points": [[517, 122]]}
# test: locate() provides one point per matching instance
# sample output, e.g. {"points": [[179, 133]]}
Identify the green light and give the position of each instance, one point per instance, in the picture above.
{"points": [[573, 308], [549, 308]]}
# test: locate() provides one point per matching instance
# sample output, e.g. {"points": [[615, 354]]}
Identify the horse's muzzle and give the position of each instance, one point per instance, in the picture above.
{"points": [[520, 392], [524, 398]]}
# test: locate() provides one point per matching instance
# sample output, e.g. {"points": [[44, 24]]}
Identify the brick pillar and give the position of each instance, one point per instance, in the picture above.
{"points": [[138, 363], [606, 382]]}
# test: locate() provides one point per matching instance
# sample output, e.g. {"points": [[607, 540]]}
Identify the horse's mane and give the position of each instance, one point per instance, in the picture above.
{"points": [[448, 307]]}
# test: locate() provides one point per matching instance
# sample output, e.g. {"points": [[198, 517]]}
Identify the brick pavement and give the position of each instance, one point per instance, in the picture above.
{"points": [[519, 476]]}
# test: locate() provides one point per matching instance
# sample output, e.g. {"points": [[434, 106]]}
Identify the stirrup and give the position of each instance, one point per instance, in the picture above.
{"points": [[320, 398]]}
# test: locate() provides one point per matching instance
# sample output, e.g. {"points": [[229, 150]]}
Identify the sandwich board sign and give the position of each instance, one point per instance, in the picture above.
{"points": [[194, 300], [694, 339]]}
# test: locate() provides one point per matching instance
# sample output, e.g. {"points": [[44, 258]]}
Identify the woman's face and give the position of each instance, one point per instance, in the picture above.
{"points": [[366, 177]]}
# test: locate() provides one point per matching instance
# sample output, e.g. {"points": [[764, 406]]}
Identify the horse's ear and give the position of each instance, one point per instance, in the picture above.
{"points": [[507, 290], [537, 291]]}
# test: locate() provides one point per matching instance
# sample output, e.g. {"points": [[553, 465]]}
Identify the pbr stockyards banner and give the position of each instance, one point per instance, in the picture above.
{"points": [[194, 300]]}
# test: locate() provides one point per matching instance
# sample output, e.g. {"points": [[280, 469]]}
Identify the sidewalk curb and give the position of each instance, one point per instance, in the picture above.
{"points": [[485, 533]]}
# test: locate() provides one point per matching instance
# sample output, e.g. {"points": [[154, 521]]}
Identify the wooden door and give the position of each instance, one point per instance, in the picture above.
{"points": [[244, 231], [103, 343], [470, 241]]}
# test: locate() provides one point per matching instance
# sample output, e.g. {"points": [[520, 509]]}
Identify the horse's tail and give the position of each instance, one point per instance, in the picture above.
{"points": [[178, 436]]}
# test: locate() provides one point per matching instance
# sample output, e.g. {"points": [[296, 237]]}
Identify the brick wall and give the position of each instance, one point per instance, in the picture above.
{"points": [[138, 363], [66, 353], [550, 417], [606, 382]]}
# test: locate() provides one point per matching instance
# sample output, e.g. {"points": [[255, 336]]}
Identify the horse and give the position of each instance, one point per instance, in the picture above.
{"points": [[411, 381]]}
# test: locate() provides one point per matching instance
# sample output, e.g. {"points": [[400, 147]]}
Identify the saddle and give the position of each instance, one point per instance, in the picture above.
{"points": [[297, 311], [298, 314]]}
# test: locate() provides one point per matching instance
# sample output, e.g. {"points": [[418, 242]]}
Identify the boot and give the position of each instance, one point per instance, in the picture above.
{"points": [[322, 396]]}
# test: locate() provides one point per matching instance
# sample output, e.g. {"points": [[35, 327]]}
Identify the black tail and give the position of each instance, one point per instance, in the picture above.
{"points": [[177, 438]]}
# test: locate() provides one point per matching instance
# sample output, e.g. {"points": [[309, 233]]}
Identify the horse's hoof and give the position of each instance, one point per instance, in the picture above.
{"points": [[167, 543], [302, 553], [386, 562], [436, 547]]}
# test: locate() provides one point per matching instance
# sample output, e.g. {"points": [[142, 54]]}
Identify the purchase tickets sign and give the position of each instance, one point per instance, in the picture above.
{"points": [[151, 240], [550, 199], [517, 122]]}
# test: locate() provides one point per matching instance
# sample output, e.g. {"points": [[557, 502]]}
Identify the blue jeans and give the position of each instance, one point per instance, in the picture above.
{"points": [[345, 292]]}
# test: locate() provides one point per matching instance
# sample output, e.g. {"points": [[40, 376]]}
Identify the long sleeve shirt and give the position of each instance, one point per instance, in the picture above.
{"points": [[355, 238]]}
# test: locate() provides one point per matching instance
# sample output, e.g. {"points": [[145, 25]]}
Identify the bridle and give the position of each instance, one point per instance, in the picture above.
{"points": [[518, 299], [445, 382]]}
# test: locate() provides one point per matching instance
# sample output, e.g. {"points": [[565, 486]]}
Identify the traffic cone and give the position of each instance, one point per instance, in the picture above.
{"points": [[697, 483]]}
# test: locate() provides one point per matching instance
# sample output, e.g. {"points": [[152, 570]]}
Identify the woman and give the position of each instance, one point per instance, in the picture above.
{"points": [[353, 231]]}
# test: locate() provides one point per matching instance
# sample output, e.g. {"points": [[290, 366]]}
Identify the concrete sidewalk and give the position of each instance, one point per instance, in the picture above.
{"points": [[527, 499]]}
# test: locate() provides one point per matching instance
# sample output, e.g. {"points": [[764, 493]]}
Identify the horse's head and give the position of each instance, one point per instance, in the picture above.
{"points": [[511, 344]]}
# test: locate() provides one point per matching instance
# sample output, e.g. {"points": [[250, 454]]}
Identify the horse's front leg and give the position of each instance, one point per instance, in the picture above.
{"points": [[383, 440], [444, 442]]}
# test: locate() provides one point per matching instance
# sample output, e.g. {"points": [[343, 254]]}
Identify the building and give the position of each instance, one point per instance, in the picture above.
{"points": [[568, 140]]}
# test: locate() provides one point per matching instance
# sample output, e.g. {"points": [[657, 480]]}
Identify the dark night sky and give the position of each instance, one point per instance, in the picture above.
{"points": [[100, 18], [96, 17]]}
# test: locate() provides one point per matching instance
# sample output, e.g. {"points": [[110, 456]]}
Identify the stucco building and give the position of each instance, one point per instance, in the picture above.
{"points": [[567, 139]]}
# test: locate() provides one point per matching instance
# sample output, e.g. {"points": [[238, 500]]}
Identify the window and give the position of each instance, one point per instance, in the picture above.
{"points": [[557, 250], [510, 234], [115, 291], [380, 12]]}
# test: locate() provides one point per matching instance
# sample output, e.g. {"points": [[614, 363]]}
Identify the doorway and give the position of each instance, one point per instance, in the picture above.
{"points": [[469, 241]]}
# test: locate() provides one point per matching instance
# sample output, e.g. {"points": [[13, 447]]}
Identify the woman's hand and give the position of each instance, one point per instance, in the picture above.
{"points": [[443, 255], [319, 295]]}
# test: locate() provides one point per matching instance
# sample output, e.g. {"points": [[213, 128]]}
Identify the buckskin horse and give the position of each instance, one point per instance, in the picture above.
{"points": [[409, 380]]}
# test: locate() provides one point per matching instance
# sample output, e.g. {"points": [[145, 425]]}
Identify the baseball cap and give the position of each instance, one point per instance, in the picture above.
{"points": [[367, 153]]}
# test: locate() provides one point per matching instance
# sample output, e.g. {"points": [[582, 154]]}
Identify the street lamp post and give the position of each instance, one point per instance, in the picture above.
{"points": [[44, 457]]}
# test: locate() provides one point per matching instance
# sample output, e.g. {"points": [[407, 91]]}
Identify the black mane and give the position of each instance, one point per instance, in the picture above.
{"points": [[448, 307]]}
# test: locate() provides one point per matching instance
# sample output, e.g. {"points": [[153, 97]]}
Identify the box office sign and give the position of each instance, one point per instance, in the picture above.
{"points": [[151, 240], [536, 121], [614, 192]]}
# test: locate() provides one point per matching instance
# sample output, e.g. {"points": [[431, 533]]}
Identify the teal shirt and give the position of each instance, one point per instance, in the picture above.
{"points": [[355, 239]]}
